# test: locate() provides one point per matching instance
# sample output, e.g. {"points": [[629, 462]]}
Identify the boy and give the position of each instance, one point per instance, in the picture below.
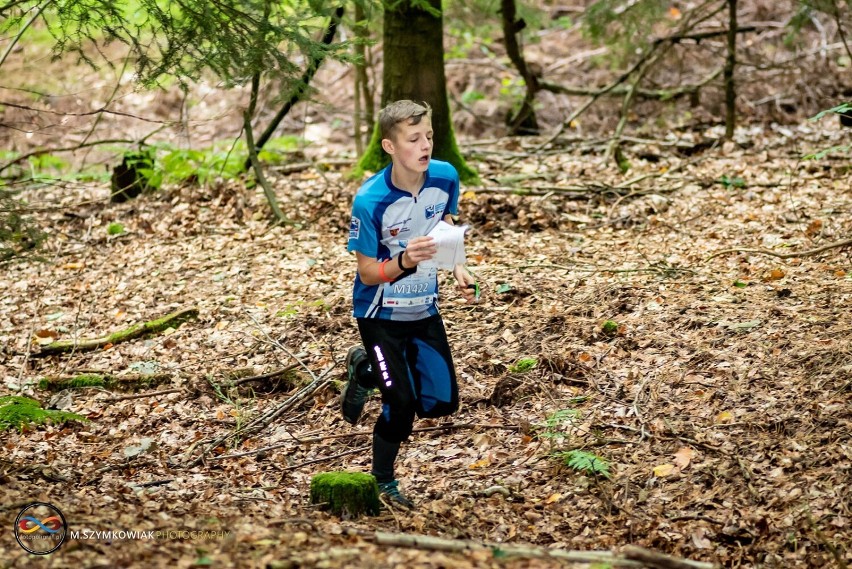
{"points": [[405, 353]]}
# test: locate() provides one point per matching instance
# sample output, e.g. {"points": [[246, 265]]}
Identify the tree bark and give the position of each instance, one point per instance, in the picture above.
{"points": [[524, 121], [730, 65], [302, 86], [414, 69], [252, 152]]}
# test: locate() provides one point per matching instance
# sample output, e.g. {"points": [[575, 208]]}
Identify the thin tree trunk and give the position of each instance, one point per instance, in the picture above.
{"points": [[730, 65], [252, 151], [361, 36], [524, 121], [302, 86]]}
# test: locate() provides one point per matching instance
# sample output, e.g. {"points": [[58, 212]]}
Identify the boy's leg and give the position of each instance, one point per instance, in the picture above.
{"points": [[433, 373], [386, 343]]}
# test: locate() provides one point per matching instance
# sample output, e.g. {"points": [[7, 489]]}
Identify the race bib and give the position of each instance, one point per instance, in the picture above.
{"points": [[418, 289]]}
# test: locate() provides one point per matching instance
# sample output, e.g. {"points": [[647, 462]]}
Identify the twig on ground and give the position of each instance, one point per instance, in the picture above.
{"points": [[631, 556], [325, 459], [143, 395], [792, 255]]}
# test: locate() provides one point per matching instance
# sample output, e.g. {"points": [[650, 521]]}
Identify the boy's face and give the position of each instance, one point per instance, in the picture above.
{"points": [[410, 145]]}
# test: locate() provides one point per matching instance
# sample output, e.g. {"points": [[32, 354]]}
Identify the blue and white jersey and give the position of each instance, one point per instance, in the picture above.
{"points": [[384, 219]]}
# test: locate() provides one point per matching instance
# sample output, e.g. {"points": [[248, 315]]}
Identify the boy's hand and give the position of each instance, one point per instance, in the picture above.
{"points": [[466, 284], [419, 249]]}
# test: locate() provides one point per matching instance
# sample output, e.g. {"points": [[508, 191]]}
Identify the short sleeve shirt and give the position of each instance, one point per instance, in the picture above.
{"points": [[384, 219]]}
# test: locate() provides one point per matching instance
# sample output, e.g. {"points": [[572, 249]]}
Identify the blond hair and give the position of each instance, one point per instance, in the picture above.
{"points": [[400, 111]]}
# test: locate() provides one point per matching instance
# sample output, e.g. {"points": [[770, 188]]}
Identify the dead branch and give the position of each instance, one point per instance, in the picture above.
{"points": [[76, 147], [793, 255], [621, 90], [265, 376], [151, 327], [142, 395], [252, 154], [322, 438], [302, 86], [632, 556], [100, 111], [265, 419], [327, 458], [661, 560]]}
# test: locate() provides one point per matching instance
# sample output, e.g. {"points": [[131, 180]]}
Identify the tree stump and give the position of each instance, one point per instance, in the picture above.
{"points": [[132, 176], [346, 494]]}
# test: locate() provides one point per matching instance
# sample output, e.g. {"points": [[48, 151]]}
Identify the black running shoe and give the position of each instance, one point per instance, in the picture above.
{"points": [[354, 395]]}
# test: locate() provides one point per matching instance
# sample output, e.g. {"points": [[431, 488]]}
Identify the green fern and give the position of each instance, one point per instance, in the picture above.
{"points": [[586, 462], [20, 412]]}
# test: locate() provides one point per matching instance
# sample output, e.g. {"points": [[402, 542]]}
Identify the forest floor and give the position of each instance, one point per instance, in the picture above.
{"points": [[722, 402]]}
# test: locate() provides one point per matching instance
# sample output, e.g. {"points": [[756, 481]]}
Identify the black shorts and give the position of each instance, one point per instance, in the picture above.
{"points": [[413, 369]]}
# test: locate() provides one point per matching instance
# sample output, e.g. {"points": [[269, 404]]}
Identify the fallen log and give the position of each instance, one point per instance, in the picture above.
{"points": [[631, 556], [136, 331]]}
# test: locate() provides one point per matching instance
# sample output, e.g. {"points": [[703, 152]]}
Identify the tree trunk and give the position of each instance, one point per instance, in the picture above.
{"points": [[362, 87], [301, 88], [524, 121], [414, 69], [730, 65]]}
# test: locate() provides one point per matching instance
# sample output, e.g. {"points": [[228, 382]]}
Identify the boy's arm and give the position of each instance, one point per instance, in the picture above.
{"points": [[370, 270], [464, 279]]}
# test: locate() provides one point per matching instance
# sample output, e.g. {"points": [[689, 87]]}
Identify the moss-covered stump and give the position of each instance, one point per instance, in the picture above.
{"points": [[347, 494]]}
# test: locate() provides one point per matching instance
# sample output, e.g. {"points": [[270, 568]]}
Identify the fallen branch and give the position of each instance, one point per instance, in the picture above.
{"points": [[793, 255], [142, 395], [631, 557], [261, 422], [327, 458], [323, 438], [144, 329], [661, 560]]}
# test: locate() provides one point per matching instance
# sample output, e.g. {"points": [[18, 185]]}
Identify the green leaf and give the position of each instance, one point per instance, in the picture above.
{"points": [[587, 463], [504, 288], [115, 229], [740, 284], [839, 109]]}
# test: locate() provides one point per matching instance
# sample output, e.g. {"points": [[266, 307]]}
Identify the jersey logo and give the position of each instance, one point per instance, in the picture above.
{"points": [[435, 209], [394, 231], [354, 228]]}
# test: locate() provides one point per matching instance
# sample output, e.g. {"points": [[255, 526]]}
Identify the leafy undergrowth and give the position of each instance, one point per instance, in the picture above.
{"points": [[711, 422]]}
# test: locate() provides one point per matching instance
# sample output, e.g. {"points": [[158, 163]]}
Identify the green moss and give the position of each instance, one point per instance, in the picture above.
{"points": [[375, 158], [19, 412], [610, 327], [346, 493], [76, 382], [523, 365]]}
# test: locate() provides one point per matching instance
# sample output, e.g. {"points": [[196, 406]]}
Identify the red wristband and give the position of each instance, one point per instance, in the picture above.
{"points": [[382, 274]]}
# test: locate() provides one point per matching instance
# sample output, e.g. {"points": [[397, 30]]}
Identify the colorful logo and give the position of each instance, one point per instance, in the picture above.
{"points": [[40, 528], [354, 228]]}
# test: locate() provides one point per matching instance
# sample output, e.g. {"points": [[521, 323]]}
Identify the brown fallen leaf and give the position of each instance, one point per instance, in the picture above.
{"points": [[683, 457]]}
